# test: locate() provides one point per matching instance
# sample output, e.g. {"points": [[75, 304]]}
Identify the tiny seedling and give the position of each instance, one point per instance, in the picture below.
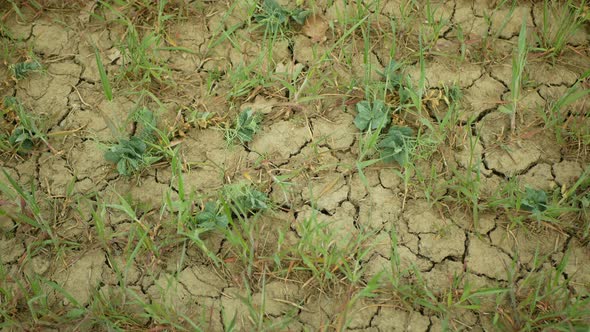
{"points": [[396, 145], [130, 155], [518, 63], [393, 76], [25, 134], [211, 217], [106, 85], [535, 200], [245, 198], [240, 200], [134, 154], [274, 16], [21, 70], [559, 22], [245, 126], [371, 116]]}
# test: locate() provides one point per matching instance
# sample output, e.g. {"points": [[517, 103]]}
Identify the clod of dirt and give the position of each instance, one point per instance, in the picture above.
{"points": [[383, 246], [390, 319], [326, 192], [17, 30], [38, 265], [578, 267], [359, 315], [340, 226], [131, 303], [483, 225], [567, 172], [11, 250], [148, 192], [509, 158], [82, 277], [484, 94], [337, 131], [448, 242], [381, 209], [341, 11], [421, 218], [51, 38], [190, 34], [86, 54], [277, 298], [260, 105], [54, 175], [389, 179], [201, 281], [235, 309], [282, 139], [472, 26], [526, 244], [552, 75], [88, 161], [169, 292], [441, 276], [315, 27], [47, 96], [358, 190], [469, 155], [508, 29], [305, 51], [539, 177], [6, 223], [487, 260], [130, 271], [443, 74]]}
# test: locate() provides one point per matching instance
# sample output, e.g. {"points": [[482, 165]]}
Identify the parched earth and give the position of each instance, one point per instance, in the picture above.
{"points": [[415, 244]]}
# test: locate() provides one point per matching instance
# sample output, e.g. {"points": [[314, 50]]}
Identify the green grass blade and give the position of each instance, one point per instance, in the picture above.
{"points": [[106, 85]]}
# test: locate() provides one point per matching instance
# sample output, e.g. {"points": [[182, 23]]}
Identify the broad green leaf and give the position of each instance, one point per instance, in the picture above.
{"points": [[371, 116], [395, 146]]}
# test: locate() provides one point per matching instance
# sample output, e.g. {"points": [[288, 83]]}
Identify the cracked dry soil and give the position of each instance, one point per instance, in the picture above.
{"points": [[313, 146]]}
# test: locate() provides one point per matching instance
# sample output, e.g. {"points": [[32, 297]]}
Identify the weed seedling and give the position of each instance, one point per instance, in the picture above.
{"points": [[21, 70], [518, 63], [371, 116], [245, 126], [26, 133], [559, 25], [133, 154], [237, 200], [534, 201], [129, 155], [396, 145], [274, 17]]}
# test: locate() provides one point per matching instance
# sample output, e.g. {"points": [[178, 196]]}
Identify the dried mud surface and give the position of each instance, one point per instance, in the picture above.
{"points": [[438, 242]]}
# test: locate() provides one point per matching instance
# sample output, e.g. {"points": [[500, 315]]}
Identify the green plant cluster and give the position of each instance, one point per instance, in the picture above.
{"points": [[133, 154], [274, 16], [239, 200], [393, 146], [246, 125], [21, 70], [25, 134]]}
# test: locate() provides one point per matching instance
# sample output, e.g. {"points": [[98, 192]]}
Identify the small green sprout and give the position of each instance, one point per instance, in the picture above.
{"points": [[130, 155], [273, 16], [371, 116], [245, 126], [20, 70], [535, 200], [241, 200], [25, 134], [211, 217], [396, 145]]}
